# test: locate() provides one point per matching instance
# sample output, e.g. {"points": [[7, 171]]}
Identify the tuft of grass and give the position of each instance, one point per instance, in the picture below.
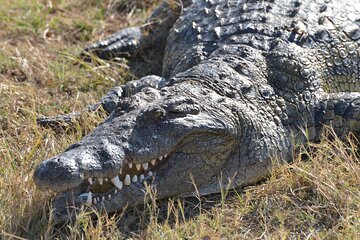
{"points": [[26, 16], [41, 74]]}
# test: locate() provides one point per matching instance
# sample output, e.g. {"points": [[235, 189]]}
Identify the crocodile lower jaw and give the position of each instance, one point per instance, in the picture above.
{"points": [[104, 189]]}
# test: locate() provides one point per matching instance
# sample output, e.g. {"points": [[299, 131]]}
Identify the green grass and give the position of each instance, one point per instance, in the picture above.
{"points": [[41, 74]]}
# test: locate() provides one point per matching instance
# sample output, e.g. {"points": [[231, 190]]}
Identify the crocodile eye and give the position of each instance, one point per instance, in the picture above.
{"points": [[159, 113]]}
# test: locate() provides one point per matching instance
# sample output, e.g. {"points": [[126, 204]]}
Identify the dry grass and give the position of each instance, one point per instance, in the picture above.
{"points": [[40, 74]]}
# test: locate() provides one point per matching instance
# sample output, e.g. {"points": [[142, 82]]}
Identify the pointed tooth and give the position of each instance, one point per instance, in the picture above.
{"points": [[120, 170], [135, 178], [90, 181], [138, 166], [95, 202], [103, 198], [109, 197], [106, 179], [127, 180], [115, 191], [145, 166], [89, 199], [100, 181], [130, 165], [150, 174], [142, 177], [165, 156], [83, 195], [153, 162], [116, 181]]}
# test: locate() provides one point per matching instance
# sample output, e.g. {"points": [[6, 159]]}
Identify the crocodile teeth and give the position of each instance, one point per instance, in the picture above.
{"points": [[145, 166], [89, 199], [86, 197], [160, 158], [109, 197], [83, 195], [127, 180], [103, 198], [100, 181], [142, 177], [105, 179], [116, 181], [165, 156], [115, 191], [130, 165], [150, 174], [138, 166], [120, 170], [95, 202], [135, 178], [153, 162], [90, 181]]}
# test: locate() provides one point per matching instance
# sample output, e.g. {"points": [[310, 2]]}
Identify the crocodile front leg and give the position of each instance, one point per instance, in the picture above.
{"points": [[124, 43], [108, 102], [153, 34]]}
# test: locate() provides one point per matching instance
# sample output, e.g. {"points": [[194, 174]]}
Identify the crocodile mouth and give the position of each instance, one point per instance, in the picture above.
{"points": [[99, 190]]}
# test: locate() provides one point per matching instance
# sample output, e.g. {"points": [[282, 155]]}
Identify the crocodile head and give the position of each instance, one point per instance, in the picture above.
{"points": [[169, 139]]}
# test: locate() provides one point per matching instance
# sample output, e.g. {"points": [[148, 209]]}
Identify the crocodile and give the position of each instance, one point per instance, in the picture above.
{"points": [[243, 82]]}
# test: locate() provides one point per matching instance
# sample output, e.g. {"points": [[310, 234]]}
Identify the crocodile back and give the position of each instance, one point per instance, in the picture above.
{"points": [[319, 38]]}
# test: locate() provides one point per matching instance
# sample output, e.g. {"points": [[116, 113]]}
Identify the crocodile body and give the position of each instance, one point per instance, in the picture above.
{"points": [[242, 83]]}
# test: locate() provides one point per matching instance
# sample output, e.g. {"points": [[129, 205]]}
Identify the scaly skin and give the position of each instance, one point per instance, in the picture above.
{"points": [[241, 82]]}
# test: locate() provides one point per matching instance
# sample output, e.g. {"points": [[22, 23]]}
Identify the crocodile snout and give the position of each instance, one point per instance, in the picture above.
{"points": [[57, 175]]}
